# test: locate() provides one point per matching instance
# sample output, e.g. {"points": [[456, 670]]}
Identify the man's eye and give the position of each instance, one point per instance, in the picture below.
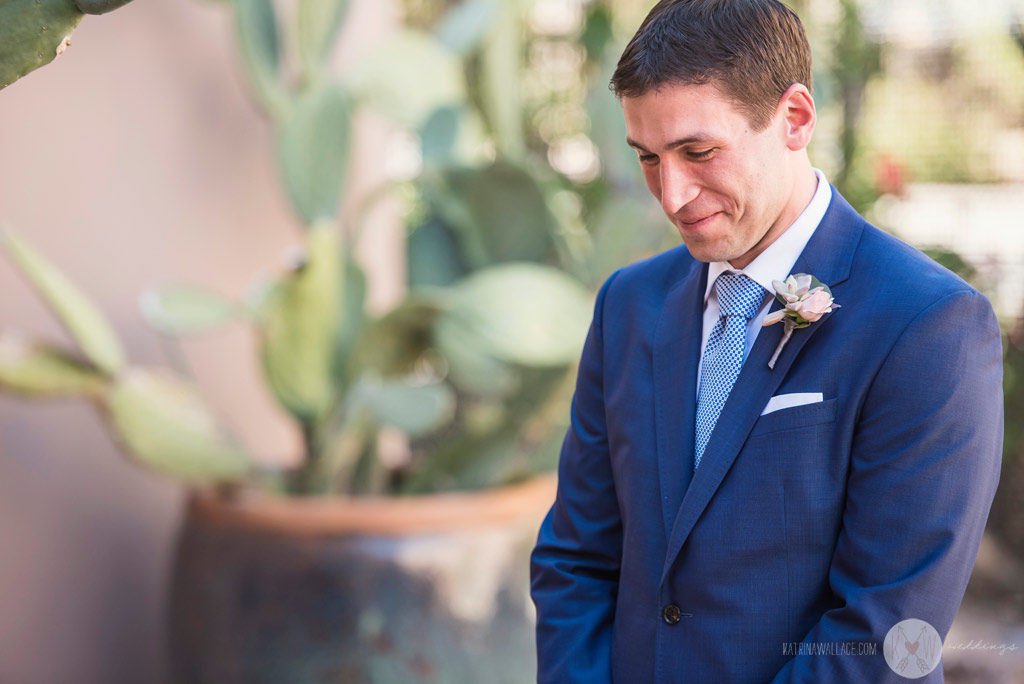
{"points": [[702, 154], [648, 159]]}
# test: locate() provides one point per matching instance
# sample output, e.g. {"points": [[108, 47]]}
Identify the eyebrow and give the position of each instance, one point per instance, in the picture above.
{"points": [[697, 138]]}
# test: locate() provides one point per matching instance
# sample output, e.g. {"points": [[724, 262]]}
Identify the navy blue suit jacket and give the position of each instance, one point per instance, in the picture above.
{"points": [[823, 523]]}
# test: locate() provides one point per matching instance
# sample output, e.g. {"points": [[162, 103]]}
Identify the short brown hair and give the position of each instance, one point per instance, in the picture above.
{"points": [[754, 50]]}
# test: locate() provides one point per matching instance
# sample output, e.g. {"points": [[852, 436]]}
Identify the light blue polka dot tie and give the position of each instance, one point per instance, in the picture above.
{"points": [[739, 298]]}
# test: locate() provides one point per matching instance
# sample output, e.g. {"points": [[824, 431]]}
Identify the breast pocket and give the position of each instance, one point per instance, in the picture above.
{"points": [[798, 450], [795, 418]]}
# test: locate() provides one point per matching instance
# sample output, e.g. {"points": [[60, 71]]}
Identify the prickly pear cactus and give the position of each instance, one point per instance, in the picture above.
{"points": [[80, 316], [99, 6], [159, 418], [165, 424], [300, 319], [34, 32]]}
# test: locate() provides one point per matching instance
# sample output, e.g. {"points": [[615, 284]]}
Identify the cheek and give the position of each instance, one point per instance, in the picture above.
{"points": [[653, 179]]}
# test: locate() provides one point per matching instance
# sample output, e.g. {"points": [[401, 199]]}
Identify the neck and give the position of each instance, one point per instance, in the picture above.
{"points": [[805, 183]]}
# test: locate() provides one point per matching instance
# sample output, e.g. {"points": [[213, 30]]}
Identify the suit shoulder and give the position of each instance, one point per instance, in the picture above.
{"points": [[896, 271], [655, 273], [899, 289], [634, 294]]}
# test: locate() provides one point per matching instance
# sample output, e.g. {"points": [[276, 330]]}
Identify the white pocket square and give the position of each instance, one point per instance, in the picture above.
{"points": [[781, 401]]}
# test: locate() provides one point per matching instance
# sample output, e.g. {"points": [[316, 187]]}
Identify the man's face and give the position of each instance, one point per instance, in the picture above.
{"points": [[726, 188]]}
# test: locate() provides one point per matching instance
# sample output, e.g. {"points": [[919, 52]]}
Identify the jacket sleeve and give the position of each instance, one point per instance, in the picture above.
{"points": [[924, 466], [575, 564]]}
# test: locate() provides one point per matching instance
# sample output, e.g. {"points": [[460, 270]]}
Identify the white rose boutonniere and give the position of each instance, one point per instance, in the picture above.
{"points": [[804, 300]]}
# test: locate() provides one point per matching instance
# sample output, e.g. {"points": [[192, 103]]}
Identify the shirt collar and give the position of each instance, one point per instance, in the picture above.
{"points": [[776, 261]]}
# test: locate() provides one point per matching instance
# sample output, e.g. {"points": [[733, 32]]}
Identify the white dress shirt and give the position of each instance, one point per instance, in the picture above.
{"points": [[774, 263]]}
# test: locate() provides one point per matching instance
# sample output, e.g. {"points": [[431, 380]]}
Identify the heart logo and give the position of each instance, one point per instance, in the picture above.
{"points": [[912, 656]]}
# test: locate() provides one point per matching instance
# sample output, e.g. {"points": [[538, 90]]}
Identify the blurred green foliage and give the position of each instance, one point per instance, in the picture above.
{"points": [[474, 365], [855, 58], [940, 112]]}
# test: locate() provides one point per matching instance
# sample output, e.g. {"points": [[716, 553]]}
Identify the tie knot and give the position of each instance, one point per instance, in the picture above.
{"points": [[738, 295]]}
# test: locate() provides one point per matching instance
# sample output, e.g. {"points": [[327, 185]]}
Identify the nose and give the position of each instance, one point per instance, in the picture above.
{"points": [[678, 187]]}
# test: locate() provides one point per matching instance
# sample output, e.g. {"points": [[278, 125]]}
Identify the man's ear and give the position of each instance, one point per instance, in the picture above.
{"points": [[796, 109]]}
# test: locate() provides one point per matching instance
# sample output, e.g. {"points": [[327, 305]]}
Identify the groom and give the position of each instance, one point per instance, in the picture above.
{"points": [[720, 520]]}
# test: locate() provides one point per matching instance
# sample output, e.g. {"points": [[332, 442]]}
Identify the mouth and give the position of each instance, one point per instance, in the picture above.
{"points": [[699, 223]]}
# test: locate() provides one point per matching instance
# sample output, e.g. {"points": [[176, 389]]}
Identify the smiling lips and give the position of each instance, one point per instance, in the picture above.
{"points": [[696, 223]]}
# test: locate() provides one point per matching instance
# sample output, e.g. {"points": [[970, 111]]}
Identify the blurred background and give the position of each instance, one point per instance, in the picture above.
{"points": [[149, 154]]}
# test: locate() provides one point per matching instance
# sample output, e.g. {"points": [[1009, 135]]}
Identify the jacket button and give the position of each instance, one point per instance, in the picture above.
{"points": [[671, 614]]}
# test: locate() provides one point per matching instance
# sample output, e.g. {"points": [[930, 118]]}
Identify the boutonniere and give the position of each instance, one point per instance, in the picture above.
{"points": [[804, 299]]}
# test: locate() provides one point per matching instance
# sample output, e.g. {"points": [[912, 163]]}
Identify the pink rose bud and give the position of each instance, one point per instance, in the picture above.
{"points": [[814, 305]]}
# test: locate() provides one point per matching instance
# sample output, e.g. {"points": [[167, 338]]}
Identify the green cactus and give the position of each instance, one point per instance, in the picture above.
{"points": [[299, 321], [500, 211], [314, 142], [465, 26], [165, 425], [34, 369], [383, 80], [99, 6], [394, 343], [179, 309], [34, 32], [317, 23], [521, 313], [417, 408], [480, 349], [159, 418], [80, 316], [259, 45], [500, 83]]}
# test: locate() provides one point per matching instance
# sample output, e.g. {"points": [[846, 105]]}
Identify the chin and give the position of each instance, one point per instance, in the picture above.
{"points": [[704, 256], [710, 252]]}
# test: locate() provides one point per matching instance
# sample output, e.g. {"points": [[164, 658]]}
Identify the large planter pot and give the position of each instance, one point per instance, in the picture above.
{"points": [[425, 589]]}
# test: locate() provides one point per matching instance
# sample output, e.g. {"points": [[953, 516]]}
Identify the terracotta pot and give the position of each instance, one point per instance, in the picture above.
{"points": [[425, 589]]}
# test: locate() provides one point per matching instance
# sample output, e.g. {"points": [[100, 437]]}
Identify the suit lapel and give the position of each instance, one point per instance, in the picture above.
{"points": [[828, 256], [675, 357]]}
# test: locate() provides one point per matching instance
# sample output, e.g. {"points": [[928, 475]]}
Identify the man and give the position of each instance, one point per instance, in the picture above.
{"points": [[721, 520]]}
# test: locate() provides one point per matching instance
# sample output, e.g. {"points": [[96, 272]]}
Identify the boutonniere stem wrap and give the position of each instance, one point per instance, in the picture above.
{"points": [[804, 300]]}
